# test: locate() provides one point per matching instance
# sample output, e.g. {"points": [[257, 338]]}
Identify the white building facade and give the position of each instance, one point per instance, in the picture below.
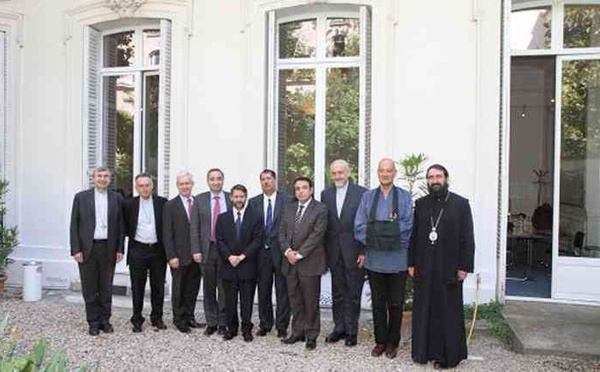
{"points": [[243, 85]]}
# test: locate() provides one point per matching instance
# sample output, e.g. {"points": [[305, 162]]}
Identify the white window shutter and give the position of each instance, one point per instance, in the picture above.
{"points": [[364, 173], [3, 102], [164, 108], [92, 100]]}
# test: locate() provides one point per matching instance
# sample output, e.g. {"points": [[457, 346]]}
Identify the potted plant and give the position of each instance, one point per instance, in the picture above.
{"points": [[8, 235]]}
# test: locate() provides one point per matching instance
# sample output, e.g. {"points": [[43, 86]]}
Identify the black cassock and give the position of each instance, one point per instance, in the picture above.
{"points": [[438, 319]]}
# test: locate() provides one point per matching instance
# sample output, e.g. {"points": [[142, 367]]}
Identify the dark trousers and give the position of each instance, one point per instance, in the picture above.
{"points": [[245, 290], [347, 285], [97, 273], [184, 292], [147, 260], [267, 273], [212, 286], [387, 295], [304, 292]]}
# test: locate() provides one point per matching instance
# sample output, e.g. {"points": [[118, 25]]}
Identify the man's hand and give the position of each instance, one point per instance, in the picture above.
{"points": [[78, 257], [174, 263], [242, 257], [292, 258], [360, 262], [462, 275], [411, 271], [119, 256], [197, 257], [234, 260]]}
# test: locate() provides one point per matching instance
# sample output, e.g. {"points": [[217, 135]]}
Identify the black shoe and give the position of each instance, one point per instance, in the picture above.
{"points": [[262, 332], [137, 328], [229, 335], [194, 324], [444, 365], [391, 352], [222, 330], [281, 333], [159, 324], [94, 331], [350, 340], [184, 329], [248, 336], [210, 330], [293, 339], [106, 328], [335, 337], [311, 344]]}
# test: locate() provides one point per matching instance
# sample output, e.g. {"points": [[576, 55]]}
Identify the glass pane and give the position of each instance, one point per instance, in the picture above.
{"points": [[343, 37], [530, 29], [119, 50], [150, 134], [342, 119], [151, 46], [296, 126], [531, 169], [580, 159], [581, 26], [298, 39], [118, 108]]}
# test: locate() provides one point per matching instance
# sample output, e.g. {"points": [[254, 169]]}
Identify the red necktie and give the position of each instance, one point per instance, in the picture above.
{"points": [[189, 207], [216, 212]]}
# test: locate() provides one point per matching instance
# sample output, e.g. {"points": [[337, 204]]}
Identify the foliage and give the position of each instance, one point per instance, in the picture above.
{"points": [[413, 174], [124, 152], [492, 314], [8, 235], [13, 357]]}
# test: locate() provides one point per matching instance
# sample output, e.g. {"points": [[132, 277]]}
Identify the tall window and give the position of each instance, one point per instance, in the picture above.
{"points": [[125, 128], [321, 89]]}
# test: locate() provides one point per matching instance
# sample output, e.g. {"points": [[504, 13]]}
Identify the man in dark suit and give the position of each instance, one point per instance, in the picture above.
{"points": [[96, 236], [270, 206], [205, 214], [345, 255], [145, 251], [302, 236], [176, 239], [239, 237]]}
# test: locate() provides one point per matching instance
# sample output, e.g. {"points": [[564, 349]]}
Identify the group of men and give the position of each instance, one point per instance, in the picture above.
{"points": [[232, 245]]}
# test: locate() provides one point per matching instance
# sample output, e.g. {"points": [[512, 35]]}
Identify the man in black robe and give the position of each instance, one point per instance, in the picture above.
{"points": [[439, 257]]}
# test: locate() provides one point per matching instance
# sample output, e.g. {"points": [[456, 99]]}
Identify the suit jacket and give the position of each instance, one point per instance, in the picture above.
{"points": [[176, 231], [131, 209], [281, 202], [201, 223], [340, 230], [248, 243], [83, 223], [308, 235]]}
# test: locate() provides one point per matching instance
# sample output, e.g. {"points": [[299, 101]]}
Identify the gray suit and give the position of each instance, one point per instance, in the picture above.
{"points": [[200, 230], [304, 278]]}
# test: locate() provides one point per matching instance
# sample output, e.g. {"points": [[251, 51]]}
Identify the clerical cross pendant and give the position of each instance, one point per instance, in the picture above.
{"points": [[433, 236]]}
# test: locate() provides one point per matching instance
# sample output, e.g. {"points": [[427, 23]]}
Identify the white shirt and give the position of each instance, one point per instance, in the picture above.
{"points": [[101, 207], [305, 205], [184, 200], [340, 196], [222, 203], [235, 213], [266, 198], [146, 226]]}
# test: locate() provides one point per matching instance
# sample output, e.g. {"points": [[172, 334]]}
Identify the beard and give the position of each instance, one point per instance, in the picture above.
{"points": [[437, 190]]}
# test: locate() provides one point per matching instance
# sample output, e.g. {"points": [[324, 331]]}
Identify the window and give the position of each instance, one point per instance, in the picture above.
{"points": [[128, 101], [321, 86]]}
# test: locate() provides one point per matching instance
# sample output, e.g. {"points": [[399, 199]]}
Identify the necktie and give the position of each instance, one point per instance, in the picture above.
{"points": [[298, 214], [215, 215], [238, 224], [189, 207], [269, 222]]}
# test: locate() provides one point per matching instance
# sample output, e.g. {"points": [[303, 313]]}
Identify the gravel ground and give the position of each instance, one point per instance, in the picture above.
{"points": [[64, 325]]}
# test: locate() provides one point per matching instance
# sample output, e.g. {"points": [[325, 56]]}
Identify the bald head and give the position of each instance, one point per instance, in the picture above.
{"points": [[386, 170]]}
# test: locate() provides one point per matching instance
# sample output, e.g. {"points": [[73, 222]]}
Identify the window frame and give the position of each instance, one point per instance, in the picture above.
{"points": [[320, 64]]}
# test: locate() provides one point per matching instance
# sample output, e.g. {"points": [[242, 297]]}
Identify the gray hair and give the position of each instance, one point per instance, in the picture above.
{"points": [[101, 168], [341, 162], [184, 174]]}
